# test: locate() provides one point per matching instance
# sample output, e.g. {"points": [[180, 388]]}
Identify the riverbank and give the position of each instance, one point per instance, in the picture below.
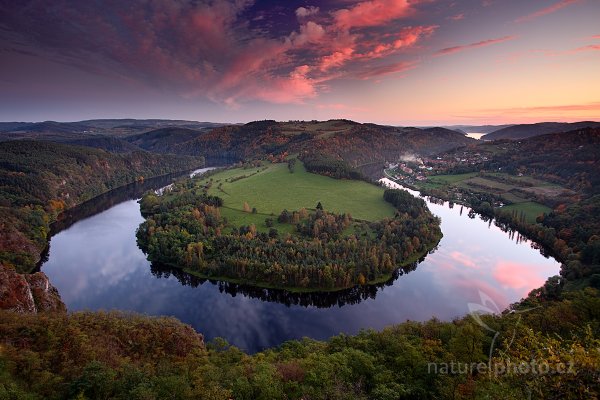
{"points": [[507, 219], [44, 179]]}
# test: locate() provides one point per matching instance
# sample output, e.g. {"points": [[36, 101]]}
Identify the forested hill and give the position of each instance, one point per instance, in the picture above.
{"points": [[40, 179], [523, 131], [163, 140], [570, 158], [355, 143]]}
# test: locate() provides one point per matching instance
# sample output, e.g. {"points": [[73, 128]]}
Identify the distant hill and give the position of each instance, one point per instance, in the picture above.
{"points": [[148, 123], [523, 131], [8, 126], [357, 144], [163, 140], [54, 127], [476, 128], [62, 131], [443, 131], [108, 143]]}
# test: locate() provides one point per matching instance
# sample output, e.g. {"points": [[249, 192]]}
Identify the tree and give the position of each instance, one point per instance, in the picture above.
{"points": [[303, 213], [292, 165], [361, 279], [319, 206], [284, 217]]}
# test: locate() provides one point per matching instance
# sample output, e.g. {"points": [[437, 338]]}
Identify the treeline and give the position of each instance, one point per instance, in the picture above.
{"points": [[405, 202], [322, 164], [38, 180], [548, 351], [186, 229]]}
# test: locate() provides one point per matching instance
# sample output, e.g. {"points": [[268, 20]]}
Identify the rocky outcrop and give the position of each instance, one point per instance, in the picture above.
{"points": [[28, 293]]}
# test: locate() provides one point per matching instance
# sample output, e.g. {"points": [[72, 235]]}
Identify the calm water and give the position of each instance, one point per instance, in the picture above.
{"points": [[475, 135], [95, 264]]}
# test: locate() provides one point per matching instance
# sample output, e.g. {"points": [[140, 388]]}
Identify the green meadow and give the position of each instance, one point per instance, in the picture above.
{"points": [[531, 209], [272, 188]]}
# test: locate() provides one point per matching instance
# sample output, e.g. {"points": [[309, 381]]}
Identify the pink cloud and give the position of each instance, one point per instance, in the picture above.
{"points": [[408, 37], [394, 68], [483, 43], [457, 17], [372, 13], [463, 259], [545, 11], [473, 287], [522, 277], [591, 47], [351, 50], [309, 33], [336, 59]]}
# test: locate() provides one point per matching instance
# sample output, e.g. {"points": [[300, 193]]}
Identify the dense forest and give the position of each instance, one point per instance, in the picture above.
{"points": [[184, 228], [324, 164], [38, 180]]}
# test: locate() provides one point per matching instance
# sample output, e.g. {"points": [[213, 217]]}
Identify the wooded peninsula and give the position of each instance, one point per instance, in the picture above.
{"points": [[308, 248]]}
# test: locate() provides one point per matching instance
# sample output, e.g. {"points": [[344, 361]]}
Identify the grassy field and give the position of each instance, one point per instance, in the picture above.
{"points": [[441, 181], [272, 188], [530, 208]]}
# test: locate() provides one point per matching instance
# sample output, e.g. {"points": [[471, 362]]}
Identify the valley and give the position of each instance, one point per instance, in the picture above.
{"points": [[258, 237]]}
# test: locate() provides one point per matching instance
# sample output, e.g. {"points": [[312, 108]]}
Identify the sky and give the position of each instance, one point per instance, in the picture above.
{"points": [[397, 62]]}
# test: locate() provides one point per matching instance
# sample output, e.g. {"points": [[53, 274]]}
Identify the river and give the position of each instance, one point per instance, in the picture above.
{"points": [[96, 265]]}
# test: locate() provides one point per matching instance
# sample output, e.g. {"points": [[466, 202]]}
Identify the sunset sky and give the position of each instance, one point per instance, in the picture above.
{"points": [[401, 62]]}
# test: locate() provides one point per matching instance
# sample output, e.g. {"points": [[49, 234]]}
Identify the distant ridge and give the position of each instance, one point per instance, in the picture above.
{"points": [[163, 140], [523, 131], [476, 128]]}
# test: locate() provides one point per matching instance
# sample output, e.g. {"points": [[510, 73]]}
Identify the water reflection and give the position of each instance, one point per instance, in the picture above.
{"points": [[110, 199], [96, 264], [338, 298]]}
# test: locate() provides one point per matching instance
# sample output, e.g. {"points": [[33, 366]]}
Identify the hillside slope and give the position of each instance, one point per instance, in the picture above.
{"points": [[523, 131], [38, 180], [163, 140], [355, 143]]}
